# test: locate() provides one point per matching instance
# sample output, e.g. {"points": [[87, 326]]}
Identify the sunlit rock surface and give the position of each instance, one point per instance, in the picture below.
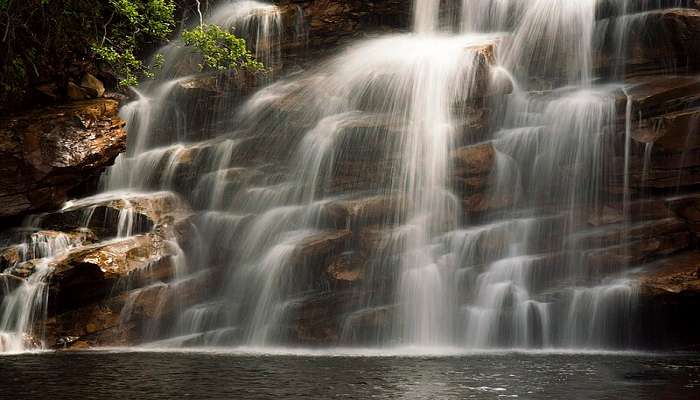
{"points": [[45, 154]]}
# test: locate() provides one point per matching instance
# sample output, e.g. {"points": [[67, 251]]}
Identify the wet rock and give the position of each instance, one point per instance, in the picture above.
{"points": [[31, 245], [46, 153], [107, 214], [198, 87], [657, 95], [486, 202], [667, 175], [641, 210], [353, 175], [609, 236], [92, 86], [476, 160], [8, 283], [9, 257], [380, 240], [317, 320], [90, 273], [207, 86], [688, 208], [654, 41], [366, 210], [211, 94], [331, 21], [484, 82], [122, 319], [347, 269], [474, 168], [26, 268], [316, 248], [669, 299], [473, 126], [618, 257], [366, 326], [608, 8], [679, 275], [683, 29], [674, 132]]}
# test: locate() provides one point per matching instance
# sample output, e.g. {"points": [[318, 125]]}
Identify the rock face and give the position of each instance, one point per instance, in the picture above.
{"points": [[332, 21], [45, 154], [90, 273], [679, 275], [121, 275], [123, 319], [105, 253], [669, 298], [93, 86], [658, 41]]}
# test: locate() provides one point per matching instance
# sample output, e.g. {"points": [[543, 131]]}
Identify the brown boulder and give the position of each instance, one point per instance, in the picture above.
{"points": [[317, 248], [623, 233], [618, 257], [485, 202], [122, 319], [655, 41], [46, 153], [668, 302], [75, 92], [479, 159], [347, 269], [92, 86], [148, 210], [318, 318], [366, 326], [365, 210], [672, 132], [662, 94], [34, 243], [640, 210], [90, 273], [332, 21], [675, 276], [376, 240]]}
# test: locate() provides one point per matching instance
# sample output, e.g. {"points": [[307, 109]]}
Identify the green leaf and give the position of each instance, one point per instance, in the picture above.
{"points": [[220, 50]]}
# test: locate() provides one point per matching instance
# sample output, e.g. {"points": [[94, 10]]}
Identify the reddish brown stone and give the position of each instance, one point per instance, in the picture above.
{"points": [[46, 153]]}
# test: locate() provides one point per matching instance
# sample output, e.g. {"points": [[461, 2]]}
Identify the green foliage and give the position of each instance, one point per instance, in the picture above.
{"points": [[158, 61], [124, 62], [54, 41], [220, 50], [40, 40], [147, 18], [137, 22]]}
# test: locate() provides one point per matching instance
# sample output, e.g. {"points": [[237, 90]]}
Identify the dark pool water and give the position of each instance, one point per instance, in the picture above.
{"points": [[221, 375]]}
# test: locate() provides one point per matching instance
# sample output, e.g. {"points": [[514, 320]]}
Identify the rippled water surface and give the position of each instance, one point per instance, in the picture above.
{"points": [[222, 375]]}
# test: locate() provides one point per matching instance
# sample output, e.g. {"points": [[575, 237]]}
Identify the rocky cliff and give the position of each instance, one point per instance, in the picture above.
{"points": [[108, 288], [46, 154]]}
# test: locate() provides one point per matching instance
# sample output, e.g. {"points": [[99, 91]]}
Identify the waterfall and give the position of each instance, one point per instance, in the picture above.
{"points": [[467, 238], [25, 288]]}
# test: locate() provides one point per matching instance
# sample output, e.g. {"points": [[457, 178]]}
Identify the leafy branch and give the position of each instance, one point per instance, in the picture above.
{"points": [[220, 50]]}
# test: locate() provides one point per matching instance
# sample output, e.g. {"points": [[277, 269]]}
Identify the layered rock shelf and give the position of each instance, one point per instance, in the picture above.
{"points": [[48, 153], [174, 248]]}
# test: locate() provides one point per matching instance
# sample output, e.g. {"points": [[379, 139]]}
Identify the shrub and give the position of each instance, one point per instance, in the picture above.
{"points": [[220, 50]]}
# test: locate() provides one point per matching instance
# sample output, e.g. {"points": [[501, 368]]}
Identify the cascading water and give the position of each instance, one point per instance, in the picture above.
{"points": [[24, 301], [383, 123]]}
